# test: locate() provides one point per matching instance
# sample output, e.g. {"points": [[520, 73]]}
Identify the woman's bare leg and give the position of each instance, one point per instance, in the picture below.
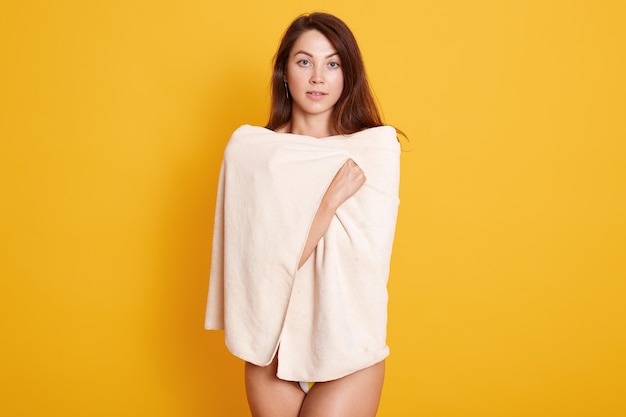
{"points": [[269, 396], [355, 395]]}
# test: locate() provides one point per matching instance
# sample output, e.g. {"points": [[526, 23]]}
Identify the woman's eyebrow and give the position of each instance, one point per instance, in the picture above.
{"points": [[311, 55]]}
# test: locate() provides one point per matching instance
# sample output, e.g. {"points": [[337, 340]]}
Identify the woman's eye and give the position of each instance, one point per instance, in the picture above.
{"points": [[303, 62], [334, 64]]}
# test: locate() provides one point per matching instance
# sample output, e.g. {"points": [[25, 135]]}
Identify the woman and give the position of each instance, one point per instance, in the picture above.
{"points": [[303, 239]]}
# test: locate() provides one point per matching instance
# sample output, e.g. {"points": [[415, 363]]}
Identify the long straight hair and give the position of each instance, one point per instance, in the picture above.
{"points": [[356, 109]]}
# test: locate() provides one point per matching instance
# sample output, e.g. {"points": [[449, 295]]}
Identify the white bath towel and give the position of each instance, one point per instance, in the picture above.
{"points": [[329, 318]]}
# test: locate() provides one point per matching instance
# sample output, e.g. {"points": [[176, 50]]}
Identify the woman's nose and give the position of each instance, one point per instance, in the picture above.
{"points": [[317, 77]]}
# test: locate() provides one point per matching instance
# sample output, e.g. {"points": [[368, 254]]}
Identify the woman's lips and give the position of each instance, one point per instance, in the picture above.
{"points": [[315, 95]]}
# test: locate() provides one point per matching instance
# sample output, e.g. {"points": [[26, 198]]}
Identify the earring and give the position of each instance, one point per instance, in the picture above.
{"points": [[286, 89]]}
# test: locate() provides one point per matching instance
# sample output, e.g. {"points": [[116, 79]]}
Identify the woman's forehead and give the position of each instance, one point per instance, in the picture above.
{"points": [[313, 43]]}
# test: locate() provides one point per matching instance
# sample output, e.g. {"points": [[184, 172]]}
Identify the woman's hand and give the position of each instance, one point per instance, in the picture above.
{"points": [[344, 185], [348, 180]]}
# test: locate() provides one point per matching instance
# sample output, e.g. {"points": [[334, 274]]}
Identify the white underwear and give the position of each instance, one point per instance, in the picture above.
{"points": [[305, 386]]}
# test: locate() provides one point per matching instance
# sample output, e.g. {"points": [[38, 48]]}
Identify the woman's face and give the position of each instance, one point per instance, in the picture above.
{"points": [[314, 76]]}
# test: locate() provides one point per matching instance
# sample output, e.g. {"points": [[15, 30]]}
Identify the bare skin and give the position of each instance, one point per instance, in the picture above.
{"points": [[344, 185], [355, 395], [269, 396]]}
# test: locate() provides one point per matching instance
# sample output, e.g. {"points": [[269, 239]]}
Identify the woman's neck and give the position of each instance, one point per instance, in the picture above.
{"points": [[310, 126]]}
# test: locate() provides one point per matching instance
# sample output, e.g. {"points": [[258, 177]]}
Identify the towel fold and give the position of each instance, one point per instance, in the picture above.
{"points": [[329, 318]]}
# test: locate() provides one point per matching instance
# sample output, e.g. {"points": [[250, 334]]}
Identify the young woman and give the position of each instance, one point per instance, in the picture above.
{"points": [[304, 225]]}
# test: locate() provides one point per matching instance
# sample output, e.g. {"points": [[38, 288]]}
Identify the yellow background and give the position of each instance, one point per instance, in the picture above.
{"points": [[508, 285]]}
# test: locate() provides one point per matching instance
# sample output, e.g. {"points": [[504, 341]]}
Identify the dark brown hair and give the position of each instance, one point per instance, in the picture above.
{"points": [[356, 109]]}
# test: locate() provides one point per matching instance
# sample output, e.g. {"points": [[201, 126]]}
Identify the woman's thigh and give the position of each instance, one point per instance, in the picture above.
{"points": [[355, 395], [269, 396]]}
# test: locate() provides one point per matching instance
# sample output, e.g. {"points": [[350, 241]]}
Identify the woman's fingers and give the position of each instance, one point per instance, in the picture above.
{"points": [[347, 182], [356, 172]]}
